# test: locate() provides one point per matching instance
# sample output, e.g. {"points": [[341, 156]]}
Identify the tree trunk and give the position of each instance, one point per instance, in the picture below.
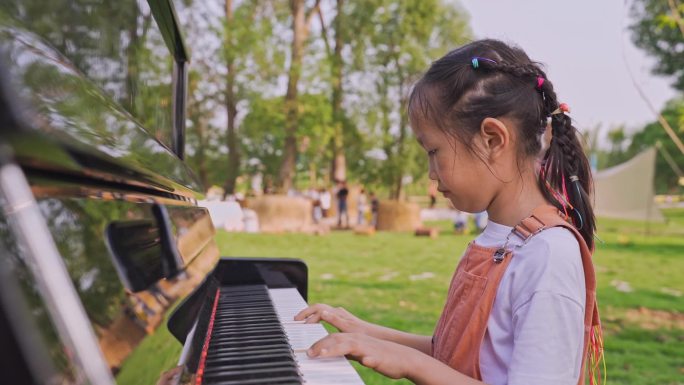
{"points": [[231, 108], [201, 155], [287, 167], [403, 131], [131, 81], [339, 170], [300, 28]]}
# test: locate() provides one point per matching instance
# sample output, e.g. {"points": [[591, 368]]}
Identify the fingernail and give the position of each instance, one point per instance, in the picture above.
{"points": [[323, 351], [325, 313]]}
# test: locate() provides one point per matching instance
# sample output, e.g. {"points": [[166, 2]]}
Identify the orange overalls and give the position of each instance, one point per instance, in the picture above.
{"points": [[462, 325]]}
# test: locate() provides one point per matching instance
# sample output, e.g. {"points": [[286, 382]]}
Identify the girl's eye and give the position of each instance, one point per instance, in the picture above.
{"points": [[432, 152]]}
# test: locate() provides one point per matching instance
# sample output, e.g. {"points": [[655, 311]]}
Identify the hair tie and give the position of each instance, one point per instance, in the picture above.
{"points": [[476, 61], [574, 178], [540, 82], [562, 109]]}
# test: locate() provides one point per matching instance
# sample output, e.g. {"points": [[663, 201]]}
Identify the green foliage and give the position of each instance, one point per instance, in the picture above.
{"points": [[116, 45], [666, 180], [245, 51], [624, 147], [387, 44], [399, 39], [655, 30], [263, 133]]}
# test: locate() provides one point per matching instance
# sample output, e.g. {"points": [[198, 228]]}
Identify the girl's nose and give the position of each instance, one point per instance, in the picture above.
{"points": [[431, 173]]}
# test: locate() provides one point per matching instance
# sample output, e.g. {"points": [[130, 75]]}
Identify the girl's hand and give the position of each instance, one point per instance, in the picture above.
{"points": [[338, 317], [388, 358]]}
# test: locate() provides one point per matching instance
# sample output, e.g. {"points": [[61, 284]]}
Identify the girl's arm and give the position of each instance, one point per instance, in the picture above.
{"points": [[344, 321], [416, 341], [389, 358]]}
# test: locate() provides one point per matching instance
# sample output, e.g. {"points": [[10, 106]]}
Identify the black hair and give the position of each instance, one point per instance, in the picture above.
{"points": [[457, 94]]}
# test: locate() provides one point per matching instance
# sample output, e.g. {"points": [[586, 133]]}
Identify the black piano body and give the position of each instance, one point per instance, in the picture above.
{"points": [[100, 232]]}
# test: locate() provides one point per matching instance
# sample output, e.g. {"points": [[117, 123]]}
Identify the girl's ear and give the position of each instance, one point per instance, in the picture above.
{"points": [[496, 137]]}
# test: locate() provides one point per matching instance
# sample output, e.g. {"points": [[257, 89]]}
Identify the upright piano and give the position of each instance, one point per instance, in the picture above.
{"points": [[101, 237], [238, 328]]}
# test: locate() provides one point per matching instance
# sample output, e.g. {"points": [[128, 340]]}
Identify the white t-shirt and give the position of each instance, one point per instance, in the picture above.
{"points": [[535, 330]]}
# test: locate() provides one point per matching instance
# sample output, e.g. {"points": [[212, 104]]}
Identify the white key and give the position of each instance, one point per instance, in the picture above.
{"points": [[315, 371]]}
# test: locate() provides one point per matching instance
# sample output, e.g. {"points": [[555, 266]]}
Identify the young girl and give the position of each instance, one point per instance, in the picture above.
{"points": [[521, 308]]}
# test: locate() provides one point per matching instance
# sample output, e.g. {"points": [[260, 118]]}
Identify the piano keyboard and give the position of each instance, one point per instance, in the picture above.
{"points": [[315, 371], [252, 338]]}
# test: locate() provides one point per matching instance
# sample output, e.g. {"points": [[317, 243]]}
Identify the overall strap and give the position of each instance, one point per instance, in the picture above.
{"points": [[528, 227]]}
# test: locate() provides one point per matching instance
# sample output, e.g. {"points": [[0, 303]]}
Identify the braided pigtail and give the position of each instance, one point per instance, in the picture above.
{"points": [[565, 176], [565, 179]]}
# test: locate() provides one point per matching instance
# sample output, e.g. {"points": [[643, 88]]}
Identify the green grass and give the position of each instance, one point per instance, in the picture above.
{"points": [[377, 278], [157, 353]]}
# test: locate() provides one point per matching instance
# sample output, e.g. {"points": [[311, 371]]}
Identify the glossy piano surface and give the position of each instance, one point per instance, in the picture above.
{"points": [[82, 118], [90, 132]]}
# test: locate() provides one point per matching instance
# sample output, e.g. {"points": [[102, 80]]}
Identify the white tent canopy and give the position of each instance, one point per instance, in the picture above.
{"points": [[626, 191]]}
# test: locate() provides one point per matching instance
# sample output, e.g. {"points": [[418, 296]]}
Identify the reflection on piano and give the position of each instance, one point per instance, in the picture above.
{"points": [[238, 328], [96, 212]]}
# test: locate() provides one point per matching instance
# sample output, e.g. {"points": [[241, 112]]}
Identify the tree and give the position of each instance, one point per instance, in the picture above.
{"points": [[405, 36], [233, 58], [617, 138], [230, 45], [262, 142], [341, 29], [659, 30], [666, 179], [301, 22]]}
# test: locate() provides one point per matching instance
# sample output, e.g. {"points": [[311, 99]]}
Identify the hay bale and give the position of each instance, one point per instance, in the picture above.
{"points": [[280, 213], [398, 216], [364, 230], [427, 232]]}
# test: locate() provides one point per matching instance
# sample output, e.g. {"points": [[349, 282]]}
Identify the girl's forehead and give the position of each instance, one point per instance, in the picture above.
{"points": [[424, 127]]}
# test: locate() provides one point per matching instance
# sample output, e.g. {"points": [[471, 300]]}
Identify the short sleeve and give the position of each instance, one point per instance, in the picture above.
{"points": [[547, 341]]}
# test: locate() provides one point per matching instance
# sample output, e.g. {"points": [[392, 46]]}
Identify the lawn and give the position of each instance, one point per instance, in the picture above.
{"points": [[399, 280]]}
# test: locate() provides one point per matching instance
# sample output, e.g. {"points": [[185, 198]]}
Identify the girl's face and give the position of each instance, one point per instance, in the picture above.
{"points": [[462, 176]]}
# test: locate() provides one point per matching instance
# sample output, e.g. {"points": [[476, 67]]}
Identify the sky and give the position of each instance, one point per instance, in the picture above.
{"points": [[581, 43]]}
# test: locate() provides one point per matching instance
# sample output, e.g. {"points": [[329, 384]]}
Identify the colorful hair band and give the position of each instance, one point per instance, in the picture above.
{"points": [[540, 82], [562, 109], [475, 61]]}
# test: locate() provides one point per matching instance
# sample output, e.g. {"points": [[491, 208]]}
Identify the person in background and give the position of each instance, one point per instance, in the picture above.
{"points": [[315, 198], [326, 201], [480, 220], [361, 203], [460, 222], [432, 192], [342, 209], [375, 207]]}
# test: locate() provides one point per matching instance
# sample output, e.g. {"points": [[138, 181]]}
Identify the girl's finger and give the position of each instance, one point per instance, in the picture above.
{"points": [[370, 362], [304, 314], [330, 346], [330, 317], [312, 319]]}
